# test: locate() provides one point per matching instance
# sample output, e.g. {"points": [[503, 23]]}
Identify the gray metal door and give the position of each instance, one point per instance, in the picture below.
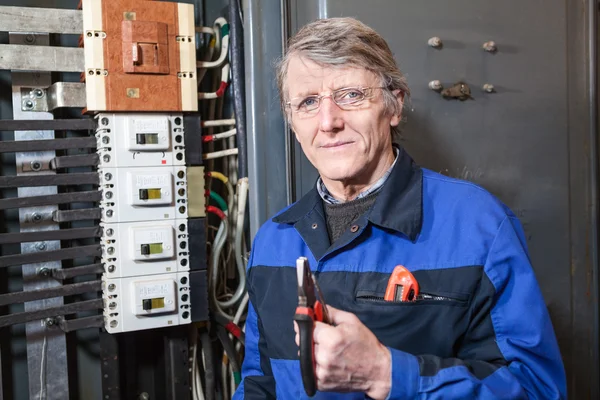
{"points": [[531, 142]]}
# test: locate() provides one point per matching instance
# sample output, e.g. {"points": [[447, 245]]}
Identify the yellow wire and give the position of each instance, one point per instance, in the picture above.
{"points": [[219, 176]]}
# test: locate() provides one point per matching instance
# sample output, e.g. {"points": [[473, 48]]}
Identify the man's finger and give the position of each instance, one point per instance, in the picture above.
{"points": [[323, 332], [340, 317]]}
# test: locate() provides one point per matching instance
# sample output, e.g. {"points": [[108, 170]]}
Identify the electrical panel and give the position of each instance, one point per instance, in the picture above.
{"points": [[145, 248], [140, 140], [146, 302], [145, 240]]}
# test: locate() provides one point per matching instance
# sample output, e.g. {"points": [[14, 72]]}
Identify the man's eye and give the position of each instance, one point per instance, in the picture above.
{"points": [[351, 94], [308, 102]]}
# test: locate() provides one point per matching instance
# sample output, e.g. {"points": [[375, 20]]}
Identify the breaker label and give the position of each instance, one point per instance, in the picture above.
{"points": [[155, 290]]}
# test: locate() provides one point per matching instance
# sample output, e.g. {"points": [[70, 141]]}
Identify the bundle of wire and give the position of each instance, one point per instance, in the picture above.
{"points": [[226, 208]]}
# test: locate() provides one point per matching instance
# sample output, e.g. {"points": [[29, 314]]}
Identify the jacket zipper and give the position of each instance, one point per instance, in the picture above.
{"points": [[420, 296]]}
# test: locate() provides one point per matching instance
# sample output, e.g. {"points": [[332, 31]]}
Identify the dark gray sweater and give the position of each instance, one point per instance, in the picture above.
{"points": [[340, 216]]}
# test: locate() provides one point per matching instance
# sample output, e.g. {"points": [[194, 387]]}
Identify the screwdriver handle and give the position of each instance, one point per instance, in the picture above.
{"points": [[304, 317]]}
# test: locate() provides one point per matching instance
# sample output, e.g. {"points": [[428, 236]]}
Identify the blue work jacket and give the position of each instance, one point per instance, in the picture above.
{"points": [[483, 333]]}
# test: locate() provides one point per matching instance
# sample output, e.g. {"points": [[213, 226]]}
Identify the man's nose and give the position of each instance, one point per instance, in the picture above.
{"points": [[330, 115]]}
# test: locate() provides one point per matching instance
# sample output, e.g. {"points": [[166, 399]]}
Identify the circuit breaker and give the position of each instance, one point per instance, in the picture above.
{"points": [[140, 55]]}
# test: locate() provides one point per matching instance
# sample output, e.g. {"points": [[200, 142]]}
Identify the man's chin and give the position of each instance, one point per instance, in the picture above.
{"points": [[339, 173]]}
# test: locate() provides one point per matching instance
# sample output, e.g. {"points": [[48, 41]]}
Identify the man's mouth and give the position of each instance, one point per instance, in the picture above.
{"points": [[336, 144]]}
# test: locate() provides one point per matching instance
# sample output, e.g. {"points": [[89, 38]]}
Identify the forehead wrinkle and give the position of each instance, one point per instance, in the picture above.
{"points": [[324, 78]]}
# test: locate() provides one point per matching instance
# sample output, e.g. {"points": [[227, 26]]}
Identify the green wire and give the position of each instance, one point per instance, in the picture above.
{"points": [[222, 204], [225, 30], [237, 378]]}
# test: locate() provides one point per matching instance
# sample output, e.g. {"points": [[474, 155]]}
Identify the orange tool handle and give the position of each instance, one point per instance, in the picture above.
{"points": [[402, 286]]}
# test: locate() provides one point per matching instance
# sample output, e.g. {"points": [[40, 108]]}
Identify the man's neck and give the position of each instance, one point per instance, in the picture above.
{"points": [[347, 190]]}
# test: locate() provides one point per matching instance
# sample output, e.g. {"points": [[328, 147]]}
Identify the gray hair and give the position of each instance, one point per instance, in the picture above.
{"points": [[342, 42]]}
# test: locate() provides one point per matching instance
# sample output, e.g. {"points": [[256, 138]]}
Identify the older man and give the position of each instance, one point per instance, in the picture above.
{"points": [[480, 329]]}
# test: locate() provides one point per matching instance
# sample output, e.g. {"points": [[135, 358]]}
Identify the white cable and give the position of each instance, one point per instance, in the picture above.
{"points": [[219, 154], [218, 122], [205, 29], [197, 390], [242, 192], [224, 135], [231, 379], [215, 255], [43, 369], [220, 22], [241, 309], [222, 87], [224, 380]]}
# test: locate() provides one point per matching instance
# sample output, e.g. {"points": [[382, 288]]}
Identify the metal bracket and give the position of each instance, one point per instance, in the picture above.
{"points": [[60, 94]]}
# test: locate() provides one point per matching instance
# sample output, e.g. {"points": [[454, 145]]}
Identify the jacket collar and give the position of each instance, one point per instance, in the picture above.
{"points": [[399, 204]]}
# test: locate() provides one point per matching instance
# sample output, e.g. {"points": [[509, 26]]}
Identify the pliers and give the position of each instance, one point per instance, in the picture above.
{"points": [[311, 308]]}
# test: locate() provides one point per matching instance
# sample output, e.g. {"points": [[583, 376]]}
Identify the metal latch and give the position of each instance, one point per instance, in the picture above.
{"points": [[145, 47]]}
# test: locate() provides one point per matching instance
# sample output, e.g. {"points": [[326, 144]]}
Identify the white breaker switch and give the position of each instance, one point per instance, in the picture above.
{"points": [[146, 302], [139, 140], [143, 194], [145, 248]]}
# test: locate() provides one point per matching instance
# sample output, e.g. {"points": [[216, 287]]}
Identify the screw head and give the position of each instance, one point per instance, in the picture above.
{"points": [[109, 232], [489, 88], [29, 38], [105, 139], [45, 272], [108, 176], [490, 46], [112, 305], [435, 42], [37, 92], [104, 121], [435, 85], [111, 287], [111, 268], [35, 217], [106, 158], [28, 104], [109, 213], [41, 246], [109, 195], [111, 250], [49, 322], [36, 165]]}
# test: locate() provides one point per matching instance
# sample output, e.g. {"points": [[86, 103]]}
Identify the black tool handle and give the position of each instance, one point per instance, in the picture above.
{"points": [[307, 353]]}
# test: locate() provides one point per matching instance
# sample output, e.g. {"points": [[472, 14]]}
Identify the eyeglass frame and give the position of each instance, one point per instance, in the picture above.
{"points": [[319, 98]]}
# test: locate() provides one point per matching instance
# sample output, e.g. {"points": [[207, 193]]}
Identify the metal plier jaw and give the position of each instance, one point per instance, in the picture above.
{"points": [[311, 308]]}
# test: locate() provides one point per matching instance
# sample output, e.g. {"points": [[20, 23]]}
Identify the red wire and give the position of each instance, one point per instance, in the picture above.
{"points": [[216, 211]]}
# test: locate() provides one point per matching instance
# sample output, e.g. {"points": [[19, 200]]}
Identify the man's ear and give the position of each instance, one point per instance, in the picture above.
{"points": [[397, 117]]}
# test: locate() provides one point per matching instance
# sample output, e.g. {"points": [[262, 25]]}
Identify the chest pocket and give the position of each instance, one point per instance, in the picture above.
{"points": [[433, 324]]}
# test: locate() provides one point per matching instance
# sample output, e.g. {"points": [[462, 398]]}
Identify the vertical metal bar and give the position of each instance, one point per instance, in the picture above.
{"points": [[594, 184], [109, 356], [1, 388], [266, 130], [290, 176], [322, 9], [177, 363], [46, 346]]}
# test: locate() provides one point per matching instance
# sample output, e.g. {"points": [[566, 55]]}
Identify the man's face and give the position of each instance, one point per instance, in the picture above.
{"points": [[342, 144]]}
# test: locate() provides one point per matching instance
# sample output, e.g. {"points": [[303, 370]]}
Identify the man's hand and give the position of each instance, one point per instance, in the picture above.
{"points": [[349, 357]]}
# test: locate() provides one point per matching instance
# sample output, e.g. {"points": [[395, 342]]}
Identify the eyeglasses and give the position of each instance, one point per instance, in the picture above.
{"points": [[345, 98]]}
